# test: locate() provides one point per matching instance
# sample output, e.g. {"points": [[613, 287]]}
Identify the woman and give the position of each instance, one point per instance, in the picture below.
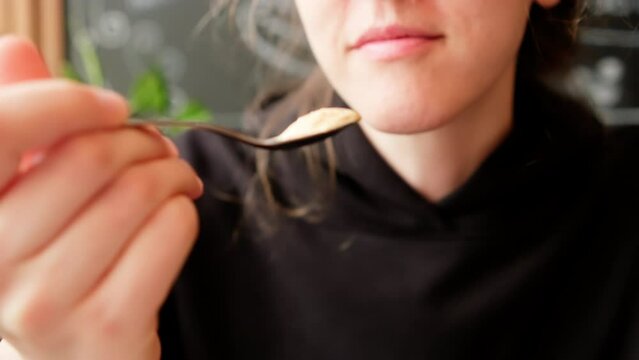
{"points": [[474, 213]]}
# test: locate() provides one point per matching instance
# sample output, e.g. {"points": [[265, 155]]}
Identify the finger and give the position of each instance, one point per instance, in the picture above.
{"points": [[36, 115], [82, 254], [20, 61], [140, 281], [169, 143], [7, 352], [52, 193], [33, 158]]}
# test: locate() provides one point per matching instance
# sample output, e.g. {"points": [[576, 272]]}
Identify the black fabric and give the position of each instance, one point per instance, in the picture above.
{"points": [[535, 257]]}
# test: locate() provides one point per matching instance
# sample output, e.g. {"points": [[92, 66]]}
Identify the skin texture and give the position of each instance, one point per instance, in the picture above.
{"points": [[84, 203], [437, 113]]}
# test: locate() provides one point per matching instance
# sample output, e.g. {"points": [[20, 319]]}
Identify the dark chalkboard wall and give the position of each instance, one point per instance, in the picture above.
{"points": [[609, 60], [214, 63], [211, 63]]}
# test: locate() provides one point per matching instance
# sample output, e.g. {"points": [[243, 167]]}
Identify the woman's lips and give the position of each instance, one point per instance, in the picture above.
{"points": [[393, 42]]}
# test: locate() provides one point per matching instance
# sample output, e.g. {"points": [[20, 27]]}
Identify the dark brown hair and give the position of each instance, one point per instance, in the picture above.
{"points": [[550, 42], [546, 53]]}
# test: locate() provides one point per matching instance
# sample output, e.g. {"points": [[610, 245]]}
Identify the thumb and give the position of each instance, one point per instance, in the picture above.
{"points": [[20, 60]]}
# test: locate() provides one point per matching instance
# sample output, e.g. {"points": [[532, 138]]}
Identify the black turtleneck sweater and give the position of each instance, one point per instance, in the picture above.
{"points": [[536, 256]]}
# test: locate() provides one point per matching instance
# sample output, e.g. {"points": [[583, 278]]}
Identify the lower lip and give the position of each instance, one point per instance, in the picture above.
{"points": [[387, 50]]}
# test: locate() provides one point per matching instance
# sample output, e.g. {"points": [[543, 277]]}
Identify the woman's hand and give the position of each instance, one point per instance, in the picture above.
{"points": [[96, 219]]}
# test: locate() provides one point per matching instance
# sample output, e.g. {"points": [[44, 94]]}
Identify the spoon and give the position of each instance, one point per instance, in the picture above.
{"points": [[310, 128]]}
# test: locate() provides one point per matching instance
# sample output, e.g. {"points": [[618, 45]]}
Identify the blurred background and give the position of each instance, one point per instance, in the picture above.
{"points": [[173, 58]]}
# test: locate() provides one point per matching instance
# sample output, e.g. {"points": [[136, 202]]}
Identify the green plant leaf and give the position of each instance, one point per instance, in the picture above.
{"points": [[71, 73], [150, 94], [89, 57], [193, 110]]}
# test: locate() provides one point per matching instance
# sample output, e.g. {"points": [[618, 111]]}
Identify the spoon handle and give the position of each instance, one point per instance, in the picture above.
{"points": [[220, 130]]}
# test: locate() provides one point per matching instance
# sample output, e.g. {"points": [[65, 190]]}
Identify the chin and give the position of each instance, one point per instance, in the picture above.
{"points": [[402, 122]]}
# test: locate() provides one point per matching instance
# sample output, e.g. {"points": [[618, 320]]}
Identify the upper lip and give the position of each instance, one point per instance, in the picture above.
{"points": [[392, 32]]}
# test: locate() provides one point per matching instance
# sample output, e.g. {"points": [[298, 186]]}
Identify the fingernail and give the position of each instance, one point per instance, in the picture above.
{"points": [[200, 190], [109, 98], [31, 160], [172, 147], [16, 40], [113, 102], [201, 183]]}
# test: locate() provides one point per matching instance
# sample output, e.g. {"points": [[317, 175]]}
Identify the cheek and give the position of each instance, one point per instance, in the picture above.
{"points": [[323, 23], [488, 33], [484, 43]]}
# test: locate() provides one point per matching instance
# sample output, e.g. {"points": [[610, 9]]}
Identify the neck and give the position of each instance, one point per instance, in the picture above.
{"points": [[437, 162]]}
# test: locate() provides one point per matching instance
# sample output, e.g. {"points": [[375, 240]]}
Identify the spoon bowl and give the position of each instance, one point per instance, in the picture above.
{"points": [[310, 128]]}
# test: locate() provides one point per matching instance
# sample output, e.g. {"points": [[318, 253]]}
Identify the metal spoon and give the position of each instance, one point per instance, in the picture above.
{"points": [[310, 128]]}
